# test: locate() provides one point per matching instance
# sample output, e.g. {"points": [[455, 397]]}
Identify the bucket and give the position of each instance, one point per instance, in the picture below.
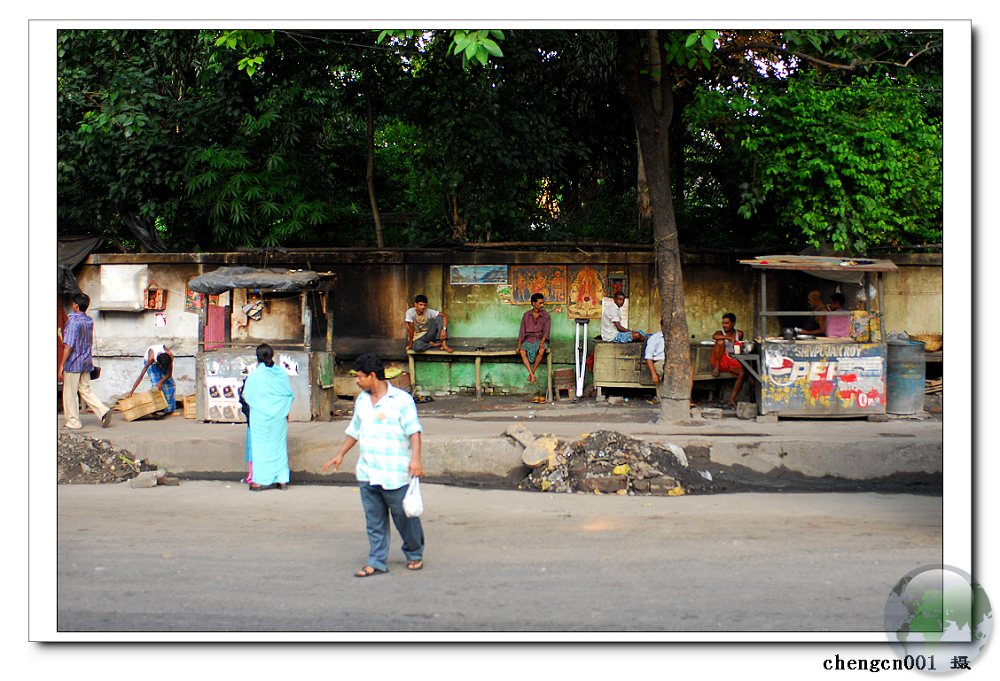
{"points": [[905, 374]]}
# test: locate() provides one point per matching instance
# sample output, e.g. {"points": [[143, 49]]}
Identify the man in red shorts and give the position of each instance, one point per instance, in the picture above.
{"points": [[721, 360]]}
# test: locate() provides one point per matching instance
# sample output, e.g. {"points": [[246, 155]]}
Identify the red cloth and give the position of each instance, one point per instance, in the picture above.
{"points": [[727, 363], [215, 327]]}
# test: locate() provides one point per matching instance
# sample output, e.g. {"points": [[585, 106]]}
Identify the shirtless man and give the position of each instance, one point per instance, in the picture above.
{"points": [[426, 328], [721, 359]]}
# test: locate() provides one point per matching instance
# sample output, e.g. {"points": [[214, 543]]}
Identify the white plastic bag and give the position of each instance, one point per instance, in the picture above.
{"points": [[413, 505]]}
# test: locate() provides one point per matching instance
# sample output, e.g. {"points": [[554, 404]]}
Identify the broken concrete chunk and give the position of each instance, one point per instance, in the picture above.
{"points": [[539, 450], [767, 418], [521, 435], [746, 410], [711, 413], [144, 479], [616, 399]]}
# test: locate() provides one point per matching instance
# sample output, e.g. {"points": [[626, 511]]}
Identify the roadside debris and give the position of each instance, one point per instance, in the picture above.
{"points": [[83, 460], [607, 462]]}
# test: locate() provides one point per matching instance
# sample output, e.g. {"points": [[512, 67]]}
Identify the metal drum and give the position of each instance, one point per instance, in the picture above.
{"points": [[905, 374]]}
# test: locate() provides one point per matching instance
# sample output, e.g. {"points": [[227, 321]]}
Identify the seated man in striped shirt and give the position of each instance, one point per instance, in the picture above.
{"points": [[385, 423]]}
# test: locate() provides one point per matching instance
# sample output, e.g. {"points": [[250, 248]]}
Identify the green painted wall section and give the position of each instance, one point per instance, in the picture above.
{"points": [[476, 311], [509, 377]]}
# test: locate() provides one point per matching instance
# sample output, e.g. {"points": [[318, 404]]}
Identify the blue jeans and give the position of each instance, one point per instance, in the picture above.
{"points": [[378, 504]]}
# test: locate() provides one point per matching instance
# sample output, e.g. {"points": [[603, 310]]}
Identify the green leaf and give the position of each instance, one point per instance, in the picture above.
{"points": [[491, 47], [691, 40]]}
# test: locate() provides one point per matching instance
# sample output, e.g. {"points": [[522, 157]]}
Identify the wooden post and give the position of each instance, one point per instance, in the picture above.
{"points": [[548, 388], [478, 362], [413, 371]]}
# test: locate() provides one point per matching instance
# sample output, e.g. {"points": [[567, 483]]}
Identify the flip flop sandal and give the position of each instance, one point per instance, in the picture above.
{"points": [[415, 565], [369, 571]]}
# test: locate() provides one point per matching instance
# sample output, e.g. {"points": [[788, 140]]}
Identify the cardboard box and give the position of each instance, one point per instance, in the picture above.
{"points": [[190, 406], [142, 404]]}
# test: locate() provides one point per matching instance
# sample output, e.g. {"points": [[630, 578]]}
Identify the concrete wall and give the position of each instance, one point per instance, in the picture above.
{"points": [[374, 289], [913, 300], [121, 338]]}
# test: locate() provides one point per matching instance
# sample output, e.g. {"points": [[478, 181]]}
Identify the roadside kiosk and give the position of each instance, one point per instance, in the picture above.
{"points": [[817, 376], [287, 303]]}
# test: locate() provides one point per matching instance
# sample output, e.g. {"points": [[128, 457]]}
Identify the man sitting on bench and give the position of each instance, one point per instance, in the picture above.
{"points": [[612, 330], [534, 335], [429, 327], [721, 359]]}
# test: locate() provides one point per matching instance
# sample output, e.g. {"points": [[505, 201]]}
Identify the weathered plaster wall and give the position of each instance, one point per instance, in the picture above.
{"points": [[121, 338], [913, 301], [374, 289], [711, 291]]}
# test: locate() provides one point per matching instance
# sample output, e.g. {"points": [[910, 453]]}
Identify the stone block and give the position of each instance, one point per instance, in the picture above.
{"points": [[609, 485], [746, 410], [616, 399], [767, 418], [661, 485], [711, 413]]}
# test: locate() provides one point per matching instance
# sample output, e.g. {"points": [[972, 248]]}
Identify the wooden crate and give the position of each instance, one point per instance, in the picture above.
{"points": [[142, 404], [190, 406]]}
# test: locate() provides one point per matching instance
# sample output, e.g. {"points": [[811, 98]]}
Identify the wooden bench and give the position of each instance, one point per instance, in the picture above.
{"points": [[478, 354], [621, 365]]}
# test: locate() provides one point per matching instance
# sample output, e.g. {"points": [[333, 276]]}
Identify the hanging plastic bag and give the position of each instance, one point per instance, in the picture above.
{"points": [[413, 505]]}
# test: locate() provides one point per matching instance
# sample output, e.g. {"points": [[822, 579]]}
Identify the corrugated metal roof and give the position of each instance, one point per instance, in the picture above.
{"points": [[820, 262]]}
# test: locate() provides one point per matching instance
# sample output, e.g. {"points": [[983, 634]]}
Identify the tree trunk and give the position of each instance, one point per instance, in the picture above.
{"points": [[652, 109], [370, 166]]}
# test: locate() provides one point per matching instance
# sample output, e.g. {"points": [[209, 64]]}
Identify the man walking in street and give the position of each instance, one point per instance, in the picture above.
{"points": [[74, 370], [385, 423]]}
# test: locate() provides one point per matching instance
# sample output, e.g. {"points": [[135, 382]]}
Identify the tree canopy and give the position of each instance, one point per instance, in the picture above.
{"points": [[215, 139]]}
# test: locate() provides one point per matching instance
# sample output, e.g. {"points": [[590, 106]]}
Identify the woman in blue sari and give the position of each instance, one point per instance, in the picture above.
{"points": [[268, 392]]}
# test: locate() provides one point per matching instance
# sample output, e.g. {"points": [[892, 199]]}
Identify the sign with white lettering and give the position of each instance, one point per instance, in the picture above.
{"points": [[823, 379]]}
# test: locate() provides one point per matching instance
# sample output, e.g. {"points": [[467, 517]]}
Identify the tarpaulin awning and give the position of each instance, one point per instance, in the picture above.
{"points": [[70, 252], [265, 279]]}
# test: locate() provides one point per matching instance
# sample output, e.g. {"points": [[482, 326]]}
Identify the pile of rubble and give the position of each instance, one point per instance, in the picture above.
{"points": [[607, 462], [83, 460]]}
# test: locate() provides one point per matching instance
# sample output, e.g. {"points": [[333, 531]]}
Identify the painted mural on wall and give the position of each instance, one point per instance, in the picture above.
{"points": [[586, 291], [478, 274], [823, 378], [549, 280]]}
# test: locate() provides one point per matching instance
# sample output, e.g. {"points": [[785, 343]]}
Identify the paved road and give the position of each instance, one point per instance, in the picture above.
{"points": [[207, 556]]}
